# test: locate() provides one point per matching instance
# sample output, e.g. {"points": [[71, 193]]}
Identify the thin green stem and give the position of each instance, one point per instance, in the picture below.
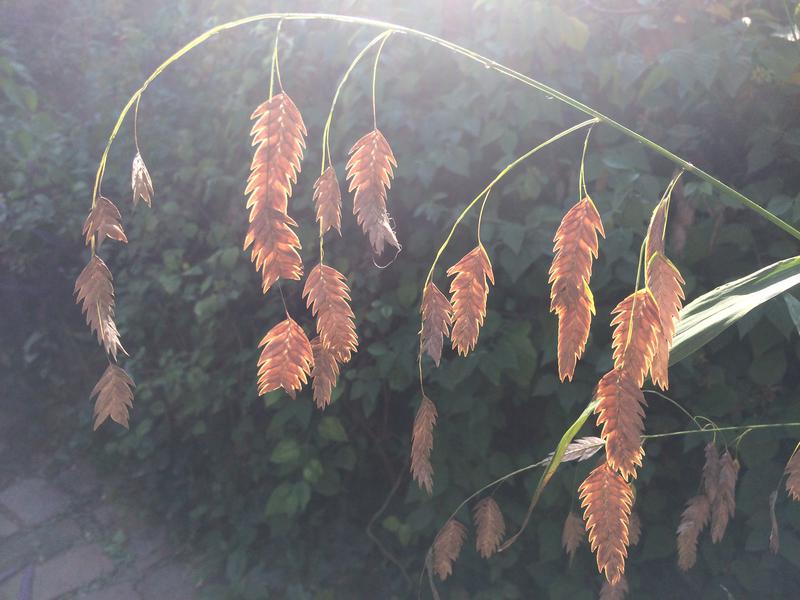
{"points": [[676, 404], [326, 143], [480, 215], [508, 168], [582, 191], [654, 436], [375, 79], [274, 66], [474, 56]]}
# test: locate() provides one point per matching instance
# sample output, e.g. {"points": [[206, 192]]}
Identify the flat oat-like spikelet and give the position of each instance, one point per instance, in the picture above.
{"points": [[94, 288], [437, 318], [793, 476], [637, 327], [607, 500], [469, 291], [279, 137], [324, 373], [666, 284], [422, 444], [447, 547], [656, 230], [286, 359], [114, 393], [141, 184], [576, 244], [693, 521], [614, 591], [328, 201], [724, 505], [328, 296], [489, 525], [620, 412], [104, 221], [573, 534], [370, 171]]}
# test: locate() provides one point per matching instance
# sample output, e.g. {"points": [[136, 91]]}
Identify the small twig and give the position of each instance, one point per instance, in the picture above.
{"points": [[388, 555]]}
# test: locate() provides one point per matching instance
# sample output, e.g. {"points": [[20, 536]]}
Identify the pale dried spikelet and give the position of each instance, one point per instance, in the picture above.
{"points": [[141, 184], [710, 479], [693, 520], [774, 534], [114, 396], [470, 291], [328, 296], [581, 449], [607, 500], [724, 506], [490, 526], [279, 137], [620, 412], [792, 472], [634, 529], [576, 244], [573, 534], [324, 373], [666, 284], [437, 318], [637, 326], [104, 221], [94, 288], [370, 171], [447, 547], [286, 359], [422, 444], [614, 591], [328, 201]]}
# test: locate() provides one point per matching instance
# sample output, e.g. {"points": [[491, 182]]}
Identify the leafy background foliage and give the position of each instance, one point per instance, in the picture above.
{"points": [[278, 494]]}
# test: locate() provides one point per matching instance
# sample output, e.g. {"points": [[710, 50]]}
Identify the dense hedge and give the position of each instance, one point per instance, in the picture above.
{"points": [[279, 493]]}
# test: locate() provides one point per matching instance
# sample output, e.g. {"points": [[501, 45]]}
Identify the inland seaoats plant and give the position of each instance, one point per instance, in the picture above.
{"points": [[651, 327]]}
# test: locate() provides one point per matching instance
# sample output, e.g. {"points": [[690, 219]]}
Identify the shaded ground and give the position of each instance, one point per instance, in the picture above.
{"points": [[62, 533]]}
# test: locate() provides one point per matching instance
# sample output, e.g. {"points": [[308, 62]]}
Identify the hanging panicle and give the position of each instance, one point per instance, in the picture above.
{"points": [[710, 479], [620, 412], [437, 318], [370, 171], [607, 500], [328, 297], [286, 359], [576, 244], [422, 444], [637, 326], [470, 291], [489, 525], [447, 547], [114, 393], [634, 529], [94, 288], [279, 137]]}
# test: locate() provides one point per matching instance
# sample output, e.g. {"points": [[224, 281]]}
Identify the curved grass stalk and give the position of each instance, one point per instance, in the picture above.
{"points": [[552, 462], [461, 50], [484, 193]]}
